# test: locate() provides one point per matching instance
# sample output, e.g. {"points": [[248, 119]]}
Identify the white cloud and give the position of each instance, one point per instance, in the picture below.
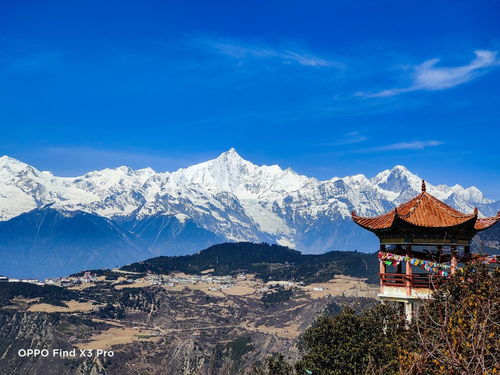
{"points": [[350, 138], [413, 145], [428, 76], [293, 54]]}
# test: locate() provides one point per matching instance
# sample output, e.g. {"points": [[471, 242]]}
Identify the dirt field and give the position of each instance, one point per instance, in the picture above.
{"points": [[81, 286], [342, 285], [289, 331], [204, 272], [73, 306], [239, 290], [140, 284], [122, 271], [116, 336]]}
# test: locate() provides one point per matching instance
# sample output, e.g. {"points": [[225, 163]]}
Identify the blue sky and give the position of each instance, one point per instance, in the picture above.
{"points": [[329, 88]]}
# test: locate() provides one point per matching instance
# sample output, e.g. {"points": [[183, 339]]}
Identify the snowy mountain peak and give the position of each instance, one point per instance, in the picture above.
{"points": [[231, 151], [229, 197], [6, 158], [6, 162], [397, 179], [232, 161], [125, 169], [147, 170], [229, 157], [399, 168]]}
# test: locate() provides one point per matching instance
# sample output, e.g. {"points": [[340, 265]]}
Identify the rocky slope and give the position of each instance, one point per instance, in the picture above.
{"points": [[181, 331]]}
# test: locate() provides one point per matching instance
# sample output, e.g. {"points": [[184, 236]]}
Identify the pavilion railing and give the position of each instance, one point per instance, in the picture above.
{"points": [[415, 280]]}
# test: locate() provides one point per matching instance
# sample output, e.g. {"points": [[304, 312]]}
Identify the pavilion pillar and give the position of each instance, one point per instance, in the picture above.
{"points": [[382, 270], [454, 260], [408, 272], [440, 253]]}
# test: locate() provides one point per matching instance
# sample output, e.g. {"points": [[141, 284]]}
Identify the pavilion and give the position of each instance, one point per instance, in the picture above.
{"points": [[423, 232]]}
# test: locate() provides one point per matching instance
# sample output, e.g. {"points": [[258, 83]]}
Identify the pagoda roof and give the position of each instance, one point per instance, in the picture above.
{"points": [[425, 211]]}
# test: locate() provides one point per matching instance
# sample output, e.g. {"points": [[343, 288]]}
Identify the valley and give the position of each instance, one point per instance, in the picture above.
{"points": [[173, 323]]}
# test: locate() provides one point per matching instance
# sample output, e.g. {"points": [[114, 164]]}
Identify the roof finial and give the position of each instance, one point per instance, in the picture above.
{"points": [[423, 186], [475, 210]]}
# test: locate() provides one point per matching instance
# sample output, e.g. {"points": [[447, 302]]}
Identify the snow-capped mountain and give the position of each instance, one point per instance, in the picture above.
{"points": [[231, 198], [227, 198], [114, 216]]}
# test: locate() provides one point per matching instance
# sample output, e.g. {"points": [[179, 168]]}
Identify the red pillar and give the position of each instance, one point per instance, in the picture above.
{"points": [[381, 270], [408, 272]]}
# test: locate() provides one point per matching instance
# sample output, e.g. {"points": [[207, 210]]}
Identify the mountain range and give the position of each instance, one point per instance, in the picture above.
{"points": [[51, 226]]}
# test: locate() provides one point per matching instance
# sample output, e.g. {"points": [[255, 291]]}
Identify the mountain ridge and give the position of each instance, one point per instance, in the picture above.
{"points": [[266, 262], [224, 199]]}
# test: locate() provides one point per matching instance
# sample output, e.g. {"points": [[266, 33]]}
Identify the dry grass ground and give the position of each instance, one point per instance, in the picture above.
{"points": [[289, 331], [338, 286], [81, 286], [73, 306], [342, 286], [141, 283], [126, 272], [239, 290], [20, 303], [205, 288], [117, 336], [204, 272]]}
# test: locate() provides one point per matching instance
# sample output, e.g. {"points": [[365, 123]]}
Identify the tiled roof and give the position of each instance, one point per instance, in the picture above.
{"points": [[424, 211], [378, 222], [483, 223]]}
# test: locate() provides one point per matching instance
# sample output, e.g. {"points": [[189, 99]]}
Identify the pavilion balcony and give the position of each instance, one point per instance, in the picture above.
{"points": [[412, 281]]}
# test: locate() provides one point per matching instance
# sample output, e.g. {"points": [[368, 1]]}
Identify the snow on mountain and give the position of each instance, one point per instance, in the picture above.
{"points": [[230, 197]]}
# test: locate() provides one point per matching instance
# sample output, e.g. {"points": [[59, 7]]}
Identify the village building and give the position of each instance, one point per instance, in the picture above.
{"points": [[422, 241]]}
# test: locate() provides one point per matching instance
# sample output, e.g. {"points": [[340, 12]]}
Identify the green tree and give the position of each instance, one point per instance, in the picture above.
{"points": [[456, 332], [351, 344]]}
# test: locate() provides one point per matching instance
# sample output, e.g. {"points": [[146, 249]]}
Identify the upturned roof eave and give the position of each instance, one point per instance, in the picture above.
{"points": [[373, 228], [489, 222]]}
